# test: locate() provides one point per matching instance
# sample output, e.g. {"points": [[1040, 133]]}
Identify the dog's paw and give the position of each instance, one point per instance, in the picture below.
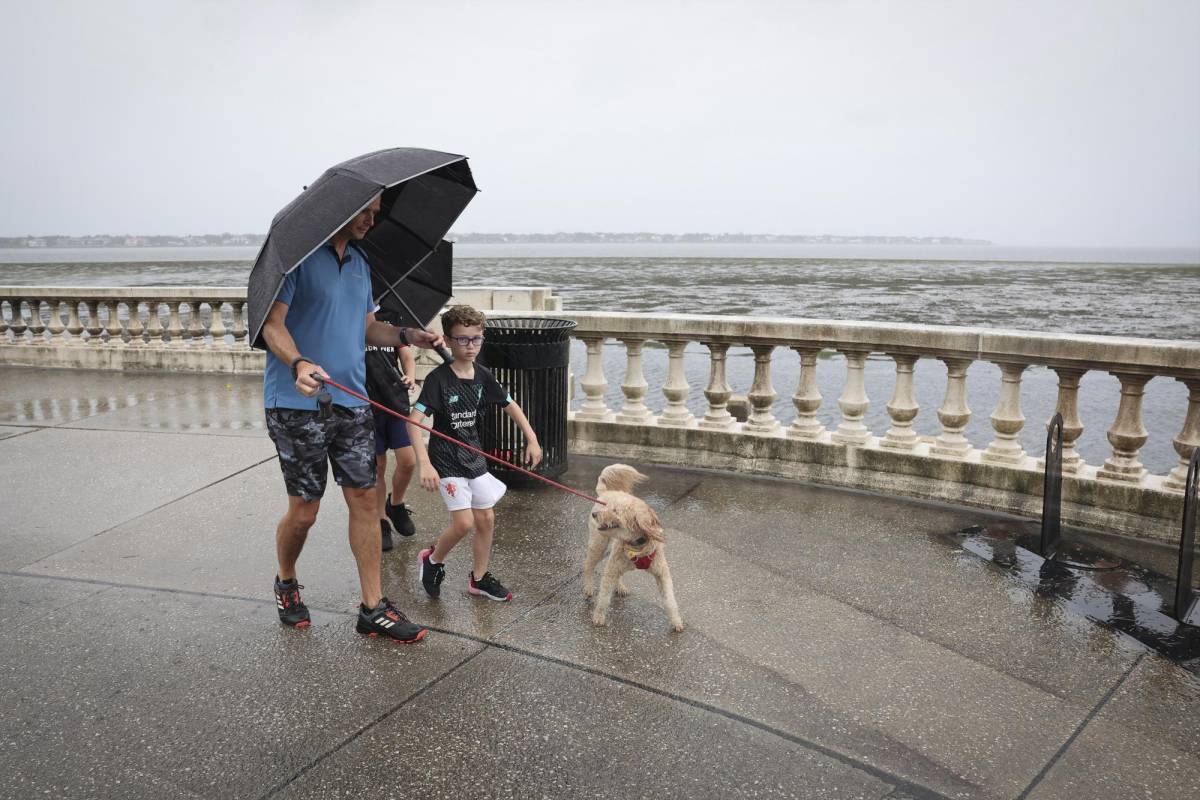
{"points": [[588, 590], [677, 625], [622, 589], [599, 620]]}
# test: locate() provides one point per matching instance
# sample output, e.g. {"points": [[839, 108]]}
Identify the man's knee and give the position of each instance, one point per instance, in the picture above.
{"points": [[405, 458], [360, 500], [302, 514]]}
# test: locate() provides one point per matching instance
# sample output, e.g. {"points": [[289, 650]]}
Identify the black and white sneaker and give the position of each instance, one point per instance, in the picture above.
{"points": [[401, 518], [432, 574], [291, 608], [385, 621], [386, 534], [489, 587]]}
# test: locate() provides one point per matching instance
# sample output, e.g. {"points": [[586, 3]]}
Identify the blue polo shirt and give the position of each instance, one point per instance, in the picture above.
{"points": [[328, 303]]}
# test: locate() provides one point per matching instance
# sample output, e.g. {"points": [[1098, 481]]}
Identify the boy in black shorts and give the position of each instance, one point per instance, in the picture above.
{"points": [[457, 394], [388, 385]]}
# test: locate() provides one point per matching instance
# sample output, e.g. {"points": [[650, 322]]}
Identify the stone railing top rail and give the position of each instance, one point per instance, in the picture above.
{"points": [[231, 293], [1112, 353]]}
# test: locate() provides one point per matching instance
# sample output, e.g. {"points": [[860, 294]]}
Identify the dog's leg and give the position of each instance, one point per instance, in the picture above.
{"points": [[592, 555], [667, 588], [608, 581], [622, 589]]}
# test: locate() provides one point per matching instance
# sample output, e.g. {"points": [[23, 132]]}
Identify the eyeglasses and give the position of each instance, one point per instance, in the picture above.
{"points": [[467, 341]]}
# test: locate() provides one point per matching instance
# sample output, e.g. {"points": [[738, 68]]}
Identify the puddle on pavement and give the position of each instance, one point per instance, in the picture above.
{"points": [[1110, 591]]}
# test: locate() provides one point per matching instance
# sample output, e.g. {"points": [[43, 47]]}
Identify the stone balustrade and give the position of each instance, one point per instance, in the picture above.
{"points": [[187, 328], [204, 329], [1118, 494]]}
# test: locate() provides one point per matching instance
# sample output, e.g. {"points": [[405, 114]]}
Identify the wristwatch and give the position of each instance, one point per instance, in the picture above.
{"points": [[296, 361], [403, 337]]}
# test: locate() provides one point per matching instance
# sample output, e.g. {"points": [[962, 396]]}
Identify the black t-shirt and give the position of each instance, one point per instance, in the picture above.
{"points": [[457, 405]]}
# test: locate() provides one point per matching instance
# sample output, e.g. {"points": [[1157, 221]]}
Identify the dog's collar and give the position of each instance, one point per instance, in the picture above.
{"points": [[641, 561], [642, 553]]}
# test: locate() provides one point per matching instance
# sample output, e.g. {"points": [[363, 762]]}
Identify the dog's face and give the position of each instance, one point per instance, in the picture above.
{"points": [[626, 518]]}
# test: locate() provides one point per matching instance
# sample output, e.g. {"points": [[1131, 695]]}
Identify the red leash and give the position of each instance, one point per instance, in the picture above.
{"points": [[381, 407]]}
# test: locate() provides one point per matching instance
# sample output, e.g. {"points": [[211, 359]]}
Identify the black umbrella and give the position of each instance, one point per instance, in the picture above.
{"points": [[415, 297], [423, 193]]}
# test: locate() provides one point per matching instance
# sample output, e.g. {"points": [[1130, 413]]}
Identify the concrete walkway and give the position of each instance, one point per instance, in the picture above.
{"points": [[836, 645]]}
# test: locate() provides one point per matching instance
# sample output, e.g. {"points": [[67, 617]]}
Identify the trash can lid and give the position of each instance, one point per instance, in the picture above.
{"points": [[528, 330]]}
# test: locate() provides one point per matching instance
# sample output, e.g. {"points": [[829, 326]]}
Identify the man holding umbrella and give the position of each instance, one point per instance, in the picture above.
{"points": [[367, 233], [324, 315]]}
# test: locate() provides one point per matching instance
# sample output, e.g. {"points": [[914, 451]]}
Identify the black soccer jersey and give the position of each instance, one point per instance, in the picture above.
{"points": [[456, 405]]}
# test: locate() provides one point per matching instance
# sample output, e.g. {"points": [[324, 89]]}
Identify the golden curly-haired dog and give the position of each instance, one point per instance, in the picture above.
{"points": [[634, 537]]}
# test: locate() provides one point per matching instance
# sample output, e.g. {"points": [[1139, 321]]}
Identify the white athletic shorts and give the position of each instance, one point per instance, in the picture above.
{"points": [[462, 493]]}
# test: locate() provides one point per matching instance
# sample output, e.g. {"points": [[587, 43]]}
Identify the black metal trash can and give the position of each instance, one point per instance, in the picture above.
{"points": [[530, 357]]}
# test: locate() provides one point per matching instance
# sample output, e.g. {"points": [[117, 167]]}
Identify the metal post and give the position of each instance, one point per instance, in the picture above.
{"points": [[1052, 489], [1184, 596]]}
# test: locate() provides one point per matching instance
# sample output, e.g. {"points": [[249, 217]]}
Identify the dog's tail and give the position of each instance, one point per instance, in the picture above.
{"points": [[619, 478]]}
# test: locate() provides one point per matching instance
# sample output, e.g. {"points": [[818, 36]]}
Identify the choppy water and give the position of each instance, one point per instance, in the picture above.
{"points": [[1154, 300]]}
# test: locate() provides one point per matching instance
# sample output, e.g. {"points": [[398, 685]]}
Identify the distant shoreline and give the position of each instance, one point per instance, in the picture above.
{"points": [[108, 241]]}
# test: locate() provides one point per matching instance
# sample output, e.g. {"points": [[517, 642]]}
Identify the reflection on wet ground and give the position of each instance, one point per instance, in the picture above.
{"points": [[227, 404], [1116, 593]]}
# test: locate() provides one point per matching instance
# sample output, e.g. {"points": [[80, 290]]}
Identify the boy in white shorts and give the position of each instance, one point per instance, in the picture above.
{"points": [[457, 394]]}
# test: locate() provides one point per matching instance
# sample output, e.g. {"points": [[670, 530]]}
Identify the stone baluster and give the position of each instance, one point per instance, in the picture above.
{"points": [[239, 325], [594, 383], [195, 328], [717, 393], [174, 324], [134, 323], [217, 325], [902, 408], [634, 411], [807, 398], [18, 325], [37, 328], [1007, 419], [74, 324], [1068, 406], [954, 413], [762, 394], [114, 328], [55, 325], [676, 414], [94, 328], [1188, 438], [154, 327], [1127, 435], [854, 401], [4, 320]]}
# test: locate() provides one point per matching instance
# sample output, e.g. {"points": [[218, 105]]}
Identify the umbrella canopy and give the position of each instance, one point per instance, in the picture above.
{"points": [[415, 298], [423, 193]]}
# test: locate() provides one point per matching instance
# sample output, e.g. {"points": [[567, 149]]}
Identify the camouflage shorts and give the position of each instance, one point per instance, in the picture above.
{"points": [[305, 442]]}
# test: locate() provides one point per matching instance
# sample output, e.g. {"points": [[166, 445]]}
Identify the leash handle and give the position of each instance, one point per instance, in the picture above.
{"points": [[490, 457]]}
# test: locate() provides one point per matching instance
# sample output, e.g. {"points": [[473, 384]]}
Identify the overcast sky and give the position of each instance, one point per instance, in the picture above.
{"points": [[1024, 123]]}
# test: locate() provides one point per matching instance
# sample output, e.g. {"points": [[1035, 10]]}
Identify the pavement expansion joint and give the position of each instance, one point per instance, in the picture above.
{"points": [[1049, 765], [279, 787], [159, 507]]}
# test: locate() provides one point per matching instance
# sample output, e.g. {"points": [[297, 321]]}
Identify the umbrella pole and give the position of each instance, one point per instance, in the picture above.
{"points": [[441, 351]]}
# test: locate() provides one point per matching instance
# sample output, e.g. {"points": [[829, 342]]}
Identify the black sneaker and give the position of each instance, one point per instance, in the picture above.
{"points": [[291, 608], [385, 621], [401, 517], [432, 574], [489, 587], [386, 531]]}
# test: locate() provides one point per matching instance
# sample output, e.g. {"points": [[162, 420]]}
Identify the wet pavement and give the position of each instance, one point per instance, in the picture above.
{"points": [[838, 644]]}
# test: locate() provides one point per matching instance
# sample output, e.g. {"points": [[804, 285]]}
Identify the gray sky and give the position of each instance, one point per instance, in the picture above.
{"points": [[1024, 123]]}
